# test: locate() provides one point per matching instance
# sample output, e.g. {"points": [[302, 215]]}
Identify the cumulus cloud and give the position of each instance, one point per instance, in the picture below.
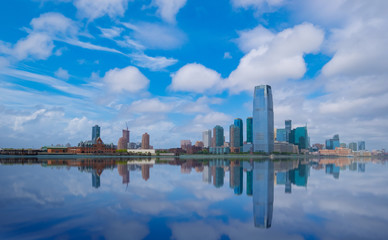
{"points": [[93, 9], [150, 105], [168, 9], [110, 32], [260, 5], [36, 45], [62, 74], [128, 79], [152, 63], [196, 78], [275, 58]]}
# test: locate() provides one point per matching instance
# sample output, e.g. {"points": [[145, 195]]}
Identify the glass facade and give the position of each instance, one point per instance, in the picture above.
{"points": [[299, 136], [333, 143], [353, 146], [263, 121], [281, 135], [235, 138], [288, 130], [95, 133], [239, 123], [218, 135], [361, 145], [207, 138], [249, 130]]}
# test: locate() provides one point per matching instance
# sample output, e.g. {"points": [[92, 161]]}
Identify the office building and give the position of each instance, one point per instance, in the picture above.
{"points": [[234, 137], [95, 133], [353, 146], [249, 130], [218, 136], [299, 137], [207, 138], [333, 143], [145, 141], [281, 135], [124, 140], [239, 123], [288, 127], [263, 121], [361, 146]]}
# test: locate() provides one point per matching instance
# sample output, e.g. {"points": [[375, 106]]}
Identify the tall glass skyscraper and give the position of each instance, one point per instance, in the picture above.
{"points": [[218, 136], [263, 122], [249, 130], [361, 145], [239, 123], [95, 133], [288, 129], [299, 136]]}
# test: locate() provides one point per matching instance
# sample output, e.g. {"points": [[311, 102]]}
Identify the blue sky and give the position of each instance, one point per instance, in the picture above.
{"points": [[176, 68]]}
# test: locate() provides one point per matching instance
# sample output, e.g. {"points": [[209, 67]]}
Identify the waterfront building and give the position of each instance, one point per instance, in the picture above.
{"points": [[249, 130], [353, 146], [141, 151], [96, 148], [361, 146], [263, 120], [263, 193], [145, 141], [95, 133], [219, 150], [124, 140], [285, 147], [185, 145], [234, 136], [333, 142], [343, 145], [239, 123], [281, 135], [218, 136], [199, 144], [299, 137], [288, 126], [207, 138]]}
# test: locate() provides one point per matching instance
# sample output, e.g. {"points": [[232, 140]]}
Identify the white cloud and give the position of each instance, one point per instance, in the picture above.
{"points": [[275, 59], [62, 74], [128, 79], [197, 78], [36, 45], [110, 32], [227, 55], [93, 9], [258, 4], [252, 39], [153, 105], [152, 63], [212, 118], [76, 126], [54, 24], [156, 36], [168, 9]]}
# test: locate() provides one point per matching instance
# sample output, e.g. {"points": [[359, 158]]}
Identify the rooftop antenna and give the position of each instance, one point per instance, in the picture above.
{"points": [[126, 125]]}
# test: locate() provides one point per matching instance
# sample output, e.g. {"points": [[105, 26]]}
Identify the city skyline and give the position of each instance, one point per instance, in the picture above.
{"points": [[177, 68]]}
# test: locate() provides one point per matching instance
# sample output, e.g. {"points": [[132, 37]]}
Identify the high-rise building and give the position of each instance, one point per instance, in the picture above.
{"points": [[353, 146], [361, 146], [249, 130], [263, 193], [95, 133], [145, 141], [299, 136], [234, 137], [239, 123], [124, 140], [263, 121], [207, 138], [281, 135], [333, 143], [288, 126], [218, 136]]}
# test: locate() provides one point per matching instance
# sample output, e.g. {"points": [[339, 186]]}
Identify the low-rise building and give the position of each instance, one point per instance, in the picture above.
{"points": [[142, 151]]}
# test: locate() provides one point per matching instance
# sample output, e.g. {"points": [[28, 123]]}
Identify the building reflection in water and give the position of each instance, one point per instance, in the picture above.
{"points": [[263, 193], [95, 179], [123, 172]]}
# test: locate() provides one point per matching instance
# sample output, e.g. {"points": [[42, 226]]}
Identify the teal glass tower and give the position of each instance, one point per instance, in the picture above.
{"points": [[239, 123], [249, 130], [218, 136], [299, 136], [95, 133], [263, 121]]}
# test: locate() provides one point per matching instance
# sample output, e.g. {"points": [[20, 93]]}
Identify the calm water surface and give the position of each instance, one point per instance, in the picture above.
{"points": [[193, 199]]}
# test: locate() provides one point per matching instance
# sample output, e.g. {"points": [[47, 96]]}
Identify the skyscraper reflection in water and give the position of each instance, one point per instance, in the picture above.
{"points": [[263, 193], [95, 179]]}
